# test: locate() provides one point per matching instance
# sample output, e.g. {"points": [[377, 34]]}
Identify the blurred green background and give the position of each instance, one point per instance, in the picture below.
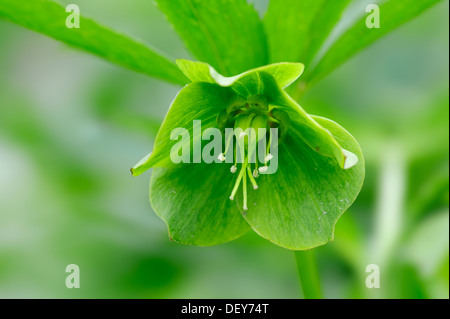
{"points": [[71, 126]]}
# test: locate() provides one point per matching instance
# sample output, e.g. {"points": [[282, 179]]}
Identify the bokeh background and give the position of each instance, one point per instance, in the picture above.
{"points": [[71, 126]]}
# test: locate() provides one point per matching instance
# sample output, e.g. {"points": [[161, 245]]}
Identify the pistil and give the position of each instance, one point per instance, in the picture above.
{"points": [[245, 143], [247, 119]]}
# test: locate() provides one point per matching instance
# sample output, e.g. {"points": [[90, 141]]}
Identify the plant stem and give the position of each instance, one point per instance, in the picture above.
{"points": [[308, 274]]}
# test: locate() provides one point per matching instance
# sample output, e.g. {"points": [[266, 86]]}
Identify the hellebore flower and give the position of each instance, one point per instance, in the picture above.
{"points": [[320, 167]]}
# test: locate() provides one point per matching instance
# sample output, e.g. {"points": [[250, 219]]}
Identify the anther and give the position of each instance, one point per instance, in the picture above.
{"points": [[252, 180], [263, 169], [221, 157]]}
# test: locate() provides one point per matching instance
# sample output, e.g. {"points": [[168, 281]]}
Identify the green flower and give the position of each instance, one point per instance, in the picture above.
{"points": [[320, 167]]}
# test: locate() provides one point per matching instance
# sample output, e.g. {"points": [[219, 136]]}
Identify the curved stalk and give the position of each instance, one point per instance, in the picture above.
{"points": [[308, 274]]}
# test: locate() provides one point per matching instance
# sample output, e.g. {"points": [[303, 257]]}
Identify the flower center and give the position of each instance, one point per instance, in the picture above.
{"points": [[251, 121]]}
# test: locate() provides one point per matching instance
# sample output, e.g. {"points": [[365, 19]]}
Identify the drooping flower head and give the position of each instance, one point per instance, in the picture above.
{"points": [[317, 170]]}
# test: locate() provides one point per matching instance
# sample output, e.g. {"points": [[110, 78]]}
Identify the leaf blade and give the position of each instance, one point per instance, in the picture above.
{"points": [[227, 34], [286, 20], [296, 29], [393, 14], [49, 18]]}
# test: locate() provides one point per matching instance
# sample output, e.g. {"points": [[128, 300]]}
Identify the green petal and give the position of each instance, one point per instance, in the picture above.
{"points": [[196, 101], [193, 201], [298, 206], [284, 73], [196, 71], [312, 133]]}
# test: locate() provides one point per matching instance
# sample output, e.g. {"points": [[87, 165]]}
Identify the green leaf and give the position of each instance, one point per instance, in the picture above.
{"points": [[329, 15], [288, 24], [297, 29], [393, 13], [193, 201], [298, 206], [227, 34], [49, 18]]}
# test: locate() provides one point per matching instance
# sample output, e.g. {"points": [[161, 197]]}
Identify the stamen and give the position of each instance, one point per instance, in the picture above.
{"points": [[252, 180], [244, 189], [246, 150], [263, 169], [238, 180], [235, 155], [221, 157], [268, 157]]}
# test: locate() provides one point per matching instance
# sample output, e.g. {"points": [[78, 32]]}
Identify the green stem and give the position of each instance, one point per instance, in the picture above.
{"points": [[308, 274]]}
